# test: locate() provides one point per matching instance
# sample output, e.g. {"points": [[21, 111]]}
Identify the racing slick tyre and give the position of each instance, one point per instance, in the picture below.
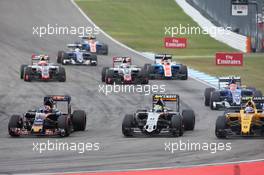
{"points": [[215, 97], [14, 122], [258, 93], [104, 70], [60, 57], [144, 77], [64, 125], [207, 95], [184, 71], [22, 70], [146, 67], [94, 58], [220, 126], [127, 125], [149, 70], [188, 118], [252, 88], [62, 74], [105, 49], [27, 74], [79, 120], [109, 77], [176, 126]]}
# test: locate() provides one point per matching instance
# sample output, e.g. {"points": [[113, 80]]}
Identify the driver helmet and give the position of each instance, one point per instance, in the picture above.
{"points": [[160, 102], [90, 37], [47, 109], [49, 102], [124, 66], [77, 50], [232, 81], [164, 58], [249, 107], [42, 58], [233, 86], [158, 108], [124, 60]]}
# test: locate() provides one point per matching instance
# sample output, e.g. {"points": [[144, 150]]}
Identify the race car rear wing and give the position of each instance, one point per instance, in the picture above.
{"points": [[223, 82], [88, 37], [58, 98], [162, 57], [254, 99], [259, 101], [121, 60], [36, 58], [74, 46], [174, 98]]}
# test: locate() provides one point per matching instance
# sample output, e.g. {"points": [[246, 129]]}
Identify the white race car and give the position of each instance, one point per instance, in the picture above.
{"points": [[123, 72], [41, 69]]}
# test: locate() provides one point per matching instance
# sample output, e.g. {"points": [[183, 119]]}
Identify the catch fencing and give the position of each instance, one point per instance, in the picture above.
{"points": [[219, 13]]}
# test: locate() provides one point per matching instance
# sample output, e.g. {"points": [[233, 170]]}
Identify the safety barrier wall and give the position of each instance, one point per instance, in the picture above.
{"points": [[230, 38]]}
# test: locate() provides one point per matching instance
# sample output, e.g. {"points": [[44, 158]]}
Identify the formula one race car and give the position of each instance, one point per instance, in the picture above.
{"points": [[160, 119], [76, 56], [245, 121], [228, 94], [49, 119], [164, 68], [123, 72], [41, 69], [90, 44]]}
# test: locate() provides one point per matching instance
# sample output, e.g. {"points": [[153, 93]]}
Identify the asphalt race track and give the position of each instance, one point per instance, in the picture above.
{"points": [[105, 113]]}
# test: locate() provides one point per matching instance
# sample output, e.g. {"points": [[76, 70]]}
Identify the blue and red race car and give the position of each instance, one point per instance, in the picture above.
{"points": [[165, 69], [90, 44]]}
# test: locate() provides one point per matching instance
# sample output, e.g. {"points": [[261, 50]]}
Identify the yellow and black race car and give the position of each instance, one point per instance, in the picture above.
{"points": [[248, 120]]}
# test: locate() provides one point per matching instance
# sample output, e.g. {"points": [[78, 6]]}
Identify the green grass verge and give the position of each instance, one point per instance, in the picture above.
{"points": [[140, 24], [252, 73]]}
